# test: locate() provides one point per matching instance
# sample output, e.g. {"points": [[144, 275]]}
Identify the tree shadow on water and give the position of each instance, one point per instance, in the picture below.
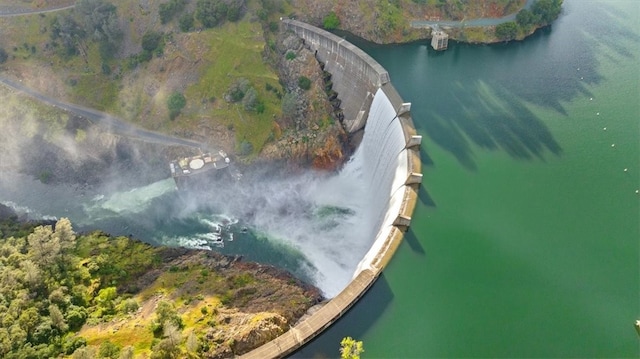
{"points": [[354, 323], [481, 96]]}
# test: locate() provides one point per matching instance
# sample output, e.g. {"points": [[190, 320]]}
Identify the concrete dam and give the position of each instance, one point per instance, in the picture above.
{"points": [[391, 170]]}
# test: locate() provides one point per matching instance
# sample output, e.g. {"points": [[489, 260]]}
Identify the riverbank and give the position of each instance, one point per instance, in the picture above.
{"points": [[476, 21], [119, 293]]}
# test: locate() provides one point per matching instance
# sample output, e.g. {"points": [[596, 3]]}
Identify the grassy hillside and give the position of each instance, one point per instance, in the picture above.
{"points": [[94, 295], [201, 64]]}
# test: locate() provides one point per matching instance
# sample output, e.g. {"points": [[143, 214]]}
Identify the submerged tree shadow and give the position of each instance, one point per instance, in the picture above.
{"points": [[486, 104]]}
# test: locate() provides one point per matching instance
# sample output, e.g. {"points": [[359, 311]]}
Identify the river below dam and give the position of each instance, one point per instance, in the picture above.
{"points": [[525, 240]]}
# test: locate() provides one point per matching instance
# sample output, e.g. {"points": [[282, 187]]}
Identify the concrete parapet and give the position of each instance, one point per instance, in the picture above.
{"points": [[309, 328], [357, 78]]}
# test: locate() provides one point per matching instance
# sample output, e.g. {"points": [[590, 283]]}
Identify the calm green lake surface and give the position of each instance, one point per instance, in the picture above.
{"points": [[525, 242]]}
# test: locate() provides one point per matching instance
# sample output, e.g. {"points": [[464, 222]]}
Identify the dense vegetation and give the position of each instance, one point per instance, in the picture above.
{"points": [[97, 296], [542, 13], [51, 283]]}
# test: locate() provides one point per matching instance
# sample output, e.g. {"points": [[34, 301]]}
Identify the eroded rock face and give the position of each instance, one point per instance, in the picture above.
{"points": [[310, 131], [256, 310], [239, 332]]}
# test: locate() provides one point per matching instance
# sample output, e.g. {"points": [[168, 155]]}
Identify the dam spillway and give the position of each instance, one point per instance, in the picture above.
{"points": [[391, 167]]}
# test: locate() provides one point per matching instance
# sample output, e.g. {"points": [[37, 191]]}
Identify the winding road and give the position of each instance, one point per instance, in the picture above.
{"points": [[5, 12], [485, 21], [112, 124]]}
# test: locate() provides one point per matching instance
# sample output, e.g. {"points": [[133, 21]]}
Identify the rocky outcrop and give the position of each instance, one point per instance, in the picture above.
{"points": [[260, 302], [310, 131]]}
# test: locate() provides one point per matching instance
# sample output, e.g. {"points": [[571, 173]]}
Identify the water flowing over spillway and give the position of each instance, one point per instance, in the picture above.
{"points": [[312, 224], [385, 169]]}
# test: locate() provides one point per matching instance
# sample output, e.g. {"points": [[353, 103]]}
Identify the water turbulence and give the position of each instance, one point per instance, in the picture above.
{"points": [[136, 199]]}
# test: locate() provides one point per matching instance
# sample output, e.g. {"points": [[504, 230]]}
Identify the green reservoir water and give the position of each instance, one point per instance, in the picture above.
{"points": [[525, 242]]}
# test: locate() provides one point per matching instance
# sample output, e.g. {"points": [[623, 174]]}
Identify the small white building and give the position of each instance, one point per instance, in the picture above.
{"points": [[440, 40]]}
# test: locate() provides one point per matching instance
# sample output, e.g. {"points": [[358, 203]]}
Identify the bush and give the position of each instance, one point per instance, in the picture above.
{"points": [[211, 12], [331, 21], [175, 103], [304, 82], [109, 350], [185, 22], [151, 40], [237, 90], [168, 10], [250, 100], [507, 30], [290, 55], [234, 13]]}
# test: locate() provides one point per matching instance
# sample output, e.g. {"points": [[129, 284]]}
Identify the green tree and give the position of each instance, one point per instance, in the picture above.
{"points": [[525, 18], [126, 352], [100, 19], [169, 9], [105, 299], [44, 247], [57, 318], [331, 21], [234, 12], [66, 29], [545, 11], [151, 40], [165, 315], [350, 348], [29, 319], [175, 103], [165, 349], [211, 12], [304, 82], [76, 316], [507, 30], [109, 350], [85, 353], [185, 22]]}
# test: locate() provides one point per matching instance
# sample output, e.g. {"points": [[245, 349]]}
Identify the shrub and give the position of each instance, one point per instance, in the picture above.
{"points": [[233, 12], [175, 103], [331, 21], [290, 55], [304, 82], [185, 22], [151, 40], [168, 10], [237, 90], [211, 12], [507, 30], [250, 100], [109, 350]]}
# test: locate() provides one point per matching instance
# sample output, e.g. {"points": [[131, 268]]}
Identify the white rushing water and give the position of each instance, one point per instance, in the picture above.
{"points": [[330, 221]]}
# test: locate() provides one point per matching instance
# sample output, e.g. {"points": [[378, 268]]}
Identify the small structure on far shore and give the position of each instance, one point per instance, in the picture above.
{"points": [[440, 39]]}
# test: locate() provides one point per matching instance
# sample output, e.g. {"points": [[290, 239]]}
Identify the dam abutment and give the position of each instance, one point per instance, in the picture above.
{"points": [[392, 170]]}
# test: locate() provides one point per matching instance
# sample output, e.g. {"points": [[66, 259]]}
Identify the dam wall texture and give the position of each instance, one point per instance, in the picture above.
{"points": [[391, 170]]}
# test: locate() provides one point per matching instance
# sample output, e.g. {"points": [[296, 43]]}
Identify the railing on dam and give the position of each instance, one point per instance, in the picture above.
{"points": [[392, 166]]}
